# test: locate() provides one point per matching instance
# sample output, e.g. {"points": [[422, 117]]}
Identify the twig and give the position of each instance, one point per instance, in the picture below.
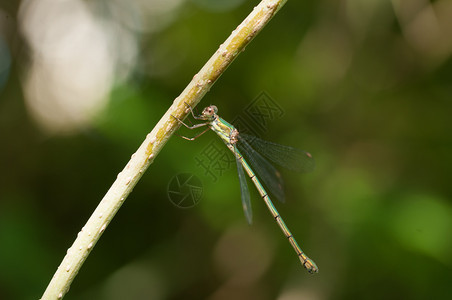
{"points": [[154, 142]]}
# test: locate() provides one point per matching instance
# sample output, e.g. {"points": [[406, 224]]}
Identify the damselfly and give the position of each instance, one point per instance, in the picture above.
{"points": [[285, 156]]}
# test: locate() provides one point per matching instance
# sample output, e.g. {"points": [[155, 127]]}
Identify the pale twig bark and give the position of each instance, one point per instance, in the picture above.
{"points": [[154, 142]]}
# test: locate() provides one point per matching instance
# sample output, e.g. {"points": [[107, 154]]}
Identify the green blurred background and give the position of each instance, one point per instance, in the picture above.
{"points": [[365, 86]]}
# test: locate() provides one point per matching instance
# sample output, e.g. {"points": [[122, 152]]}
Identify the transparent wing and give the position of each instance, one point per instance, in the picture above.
{"points": [[245, 193], [265, 171], [285, 156]]}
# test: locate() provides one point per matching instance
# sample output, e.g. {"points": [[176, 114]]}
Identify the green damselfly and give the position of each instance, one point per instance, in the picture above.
{"points": [[285, 156]]}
